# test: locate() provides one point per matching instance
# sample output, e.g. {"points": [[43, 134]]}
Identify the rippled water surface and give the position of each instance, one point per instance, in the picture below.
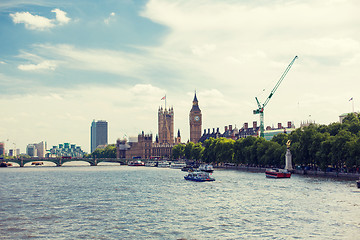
{"points": [[121, 202]]}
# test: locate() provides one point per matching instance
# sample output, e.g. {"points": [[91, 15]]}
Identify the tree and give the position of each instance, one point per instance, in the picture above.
{"points": [[197, 151], [178, 151], [188, 150]]}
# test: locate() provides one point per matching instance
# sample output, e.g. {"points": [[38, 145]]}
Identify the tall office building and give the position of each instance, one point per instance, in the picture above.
{"points": [[99, 134]]}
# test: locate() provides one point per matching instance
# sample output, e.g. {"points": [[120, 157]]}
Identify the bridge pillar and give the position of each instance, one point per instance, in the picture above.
{"points": [[94, 163], [59, 164], [21, 163]]}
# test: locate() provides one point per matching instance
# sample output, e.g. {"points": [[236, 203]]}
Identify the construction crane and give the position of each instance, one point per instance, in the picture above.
{"points": [[261, 108]]}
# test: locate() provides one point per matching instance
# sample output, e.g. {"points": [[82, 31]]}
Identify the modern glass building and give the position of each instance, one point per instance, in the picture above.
{"points": [[99, 134]]}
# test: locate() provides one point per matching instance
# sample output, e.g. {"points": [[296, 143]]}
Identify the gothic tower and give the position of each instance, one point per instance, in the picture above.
{"points": [[166, 125], [195, 119]]}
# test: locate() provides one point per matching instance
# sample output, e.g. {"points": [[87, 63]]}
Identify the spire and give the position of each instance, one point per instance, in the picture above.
{"points": [[178, 133], [195, 106], [195, 98]]}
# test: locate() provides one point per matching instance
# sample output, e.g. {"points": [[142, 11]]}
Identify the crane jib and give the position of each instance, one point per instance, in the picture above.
{"points": [[260, 110]]}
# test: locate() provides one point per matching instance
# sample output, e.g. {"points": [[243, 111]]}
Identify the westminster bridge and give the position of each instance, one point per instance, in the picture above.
{"points": [[60, 161]]}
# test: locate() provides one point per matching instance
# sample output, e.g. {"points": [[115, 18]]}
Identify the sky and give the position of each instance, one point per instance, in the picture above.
{"points": [[64, 63]]}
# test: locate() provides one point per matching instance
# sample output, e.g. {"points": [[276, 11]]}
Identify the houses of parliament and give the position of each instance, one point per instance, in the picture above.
{"points": [[145, 148]]}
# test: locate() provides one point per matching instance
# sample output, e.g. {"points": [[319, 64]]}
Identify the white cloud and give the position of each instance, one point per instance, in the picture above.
{"points": [[45, 65], [61, 17], [36, 22], [32, 22], [110, 18], [2, 62]]}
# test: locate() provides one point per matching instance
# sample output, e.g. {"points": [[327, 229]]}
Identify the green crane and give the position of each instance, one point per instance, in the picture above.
{"points": [[260, 109]]}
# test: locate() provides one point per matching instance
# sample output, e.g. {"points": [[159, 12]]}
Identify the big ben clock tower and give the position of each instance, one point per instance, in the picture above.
{"points": [[195, 120]]}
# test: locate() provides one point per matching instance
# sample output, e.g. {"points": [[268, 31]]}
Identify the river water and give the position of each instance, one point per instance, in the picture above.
{"points": [[121, 202]]}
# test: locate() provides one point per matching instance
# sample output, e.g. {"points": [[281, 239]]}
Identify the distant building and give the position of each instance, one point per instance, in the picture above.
{"points": [[12, 153], [99, 134], [141, 148], [2, 148], [270, 133], [195, 120], [41, 149], [246, 131], [36, 149], [166, 125], [344, 115], [66, 150], [31, 150]]}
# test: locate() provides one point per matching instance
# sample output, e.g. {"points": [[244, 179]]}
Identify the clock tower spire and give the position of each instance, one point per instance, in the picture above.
{"points": [[195, 119]]}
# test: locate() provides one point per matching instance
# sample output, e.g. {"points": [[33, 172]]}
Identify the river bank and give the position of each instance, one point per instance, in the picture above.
{"points": [[339, 175]]}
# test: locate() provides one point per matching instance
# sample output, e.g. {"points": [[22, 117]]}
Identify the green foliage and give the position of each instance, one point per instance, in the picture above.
{"points": [[178, 151], [108, 152]]}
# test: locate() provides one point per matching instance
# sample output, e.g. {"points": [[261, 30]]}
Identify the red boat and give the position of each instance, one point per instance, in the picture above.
{"points": [[277, 173]]}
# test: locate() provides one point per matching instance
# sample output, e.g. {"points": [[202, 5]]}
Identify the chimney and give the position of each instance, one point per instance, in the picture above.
{"points": [[213, 131], [289, 124], [226, 128], [230, 127], [204, 131], [208, 130], [217, 130], [246, 125], [279, 126], [254, 124]]}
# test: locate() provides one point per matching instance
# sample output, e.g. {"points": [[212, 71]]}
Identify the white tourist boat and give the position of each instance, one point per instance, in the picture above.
{"points": [[163, 164], [177, 165], [206, 168], [151, 164]]}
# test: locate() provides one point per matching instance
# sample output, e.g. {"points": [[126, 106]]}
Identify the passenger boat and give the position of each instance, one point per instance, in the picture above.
{"points": [[3, 164], [37, 163], [136, 163], [177, 165], [277, 173], [199, 176], [358, 183], [206, 168], [163, 164], [151, 164]]}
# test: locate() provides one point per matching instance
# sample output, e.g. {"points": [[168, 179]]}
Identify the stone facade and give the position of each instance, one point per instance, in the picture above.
{"points": [[166, 125]]}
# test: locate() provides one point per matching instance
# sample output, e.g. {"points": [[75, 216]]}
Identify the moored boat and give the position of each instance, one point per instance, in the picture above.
{"points": [[136, 163], [177, 165], [277, 173], [199, 176], [37, 163], [3, 164], [358, 183], [151, 164], [163, 164], [206, 168]]}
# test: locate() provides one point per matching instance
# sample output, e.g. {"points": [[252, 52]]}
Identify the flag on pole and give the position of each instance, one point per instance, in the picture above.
{"points": [[350, 99], [163, 97]]}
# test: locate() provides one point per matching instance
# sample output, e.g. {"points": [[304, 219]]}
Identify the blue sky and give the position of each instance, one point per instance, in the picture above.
{"points": [[65, 63]]}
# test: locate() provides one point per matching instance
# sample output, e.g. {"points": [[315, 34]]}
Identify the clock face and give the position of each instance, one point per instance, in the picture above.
{"points": [[196, 118]]}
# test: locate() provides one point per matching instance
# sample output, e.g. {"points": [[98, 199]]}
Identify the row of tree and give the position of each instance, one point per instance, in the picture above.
{"points": [[319, 146], [108, 152]]}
